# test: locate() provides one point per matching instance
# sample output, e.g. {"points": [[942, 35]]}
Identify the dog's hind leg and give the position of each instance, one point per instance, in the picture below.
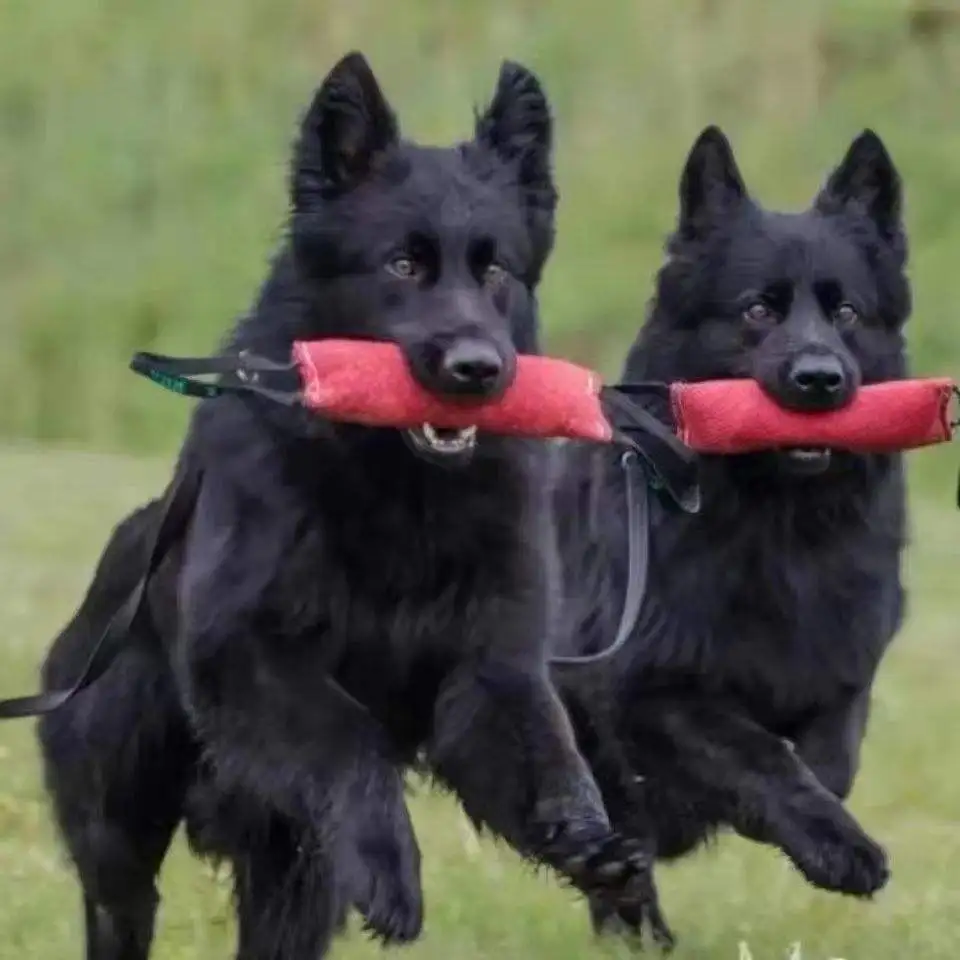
{"points": [[116, 769], [117, 759], [117, 764], [289, 906], [120, 931]]}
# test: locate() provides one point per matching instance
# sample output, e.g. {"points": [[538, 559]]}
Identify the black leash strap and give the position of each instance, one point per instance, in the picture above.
{"points": [[667, 465], [657, 458], [238, 373], [671, 465], [178, 508], [638, 563]]}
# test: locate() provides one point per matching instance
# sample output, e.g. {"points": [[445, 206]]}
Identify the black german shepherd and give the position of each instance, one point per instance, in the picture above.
{"points": [[344, 596], [742, 697]]}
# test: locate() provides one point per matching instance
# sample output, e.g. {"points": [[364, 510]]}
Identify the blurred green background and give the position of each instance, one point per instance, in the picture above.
{"points": [[143, 150]]}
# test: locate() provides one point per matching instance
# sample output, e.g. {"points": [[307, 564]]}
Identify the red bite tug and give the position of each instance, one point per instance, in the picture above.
{"points": [[736, 416], [369, 383]]}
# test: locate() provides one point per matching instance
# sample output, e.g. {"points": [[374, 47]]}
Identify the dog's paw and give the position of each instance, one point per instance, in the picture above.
{"points": [[388, 893], [384, 860], [572, 834], [613, 869], [841, 858], [633, 921], [392, 911]]}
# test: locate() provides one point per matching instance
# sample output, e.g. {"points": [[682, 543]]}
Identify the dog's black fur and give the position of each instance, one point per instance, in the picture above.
{"points": [[341, 601], [742, 696]]}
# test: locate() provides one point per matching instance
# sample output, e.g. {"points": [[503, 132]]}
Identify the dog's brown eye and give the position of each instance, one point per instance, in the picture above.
{"points": [[403, 267], [758, 312], [846, 314]]}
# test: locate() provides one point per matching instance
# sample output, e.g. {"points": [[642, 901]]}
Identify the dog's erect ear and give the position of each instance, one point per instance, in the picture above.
{"points": [[348, 124], [518, 129], [710, 185], [517, 126], [866, 182]]}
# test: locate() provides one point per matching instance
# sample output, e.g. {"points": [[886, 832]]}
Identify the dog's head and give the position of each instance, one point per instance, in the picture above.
{"points": [[809, 304], [439, 250]]}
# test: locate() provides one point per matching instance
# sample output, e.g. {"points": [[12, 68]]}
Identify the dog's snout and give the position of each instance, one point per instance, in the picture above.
{"points": [[818, 381], [816, 374], [471, 367]]}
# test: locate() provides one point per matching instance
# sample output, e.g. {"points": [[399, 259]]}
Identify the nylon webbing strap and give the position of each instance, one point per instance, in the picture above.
{"points": [[178, 508], [638, 561], [664, 463], [240, 373]]}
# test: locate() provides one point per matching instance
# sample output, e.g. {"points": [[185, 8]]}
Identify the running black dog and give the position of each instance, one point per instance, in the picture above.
{"points": [[345, 597], [742, 697]]}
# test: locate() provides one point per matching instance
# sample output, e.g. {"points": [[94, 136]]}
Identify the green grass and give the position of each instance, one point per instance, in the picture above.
{"points": [[144, 151], [481, 903], [141, 183]]}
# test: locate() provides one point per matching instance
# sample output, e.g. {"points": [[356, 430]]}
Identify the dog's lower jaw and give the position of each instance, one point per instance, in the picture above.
{"points": [[447, 448], [804, 461]]}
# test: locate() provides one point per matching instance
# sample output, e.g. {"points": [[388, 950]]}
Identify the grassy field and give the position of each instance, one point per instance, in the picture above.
{"points": [[144, 146], [142, 174], [481, 903]]}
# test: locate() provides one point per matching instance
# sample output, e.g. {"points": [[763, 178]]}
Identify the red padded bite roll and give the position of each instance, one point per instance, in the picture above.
{"points": [[369, 383], [736, 416]]}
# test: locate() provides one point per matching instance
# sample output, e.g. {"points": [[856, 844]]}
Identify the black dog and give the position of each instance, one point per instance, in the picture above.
{"points": [[345, 596], [741, 699]]}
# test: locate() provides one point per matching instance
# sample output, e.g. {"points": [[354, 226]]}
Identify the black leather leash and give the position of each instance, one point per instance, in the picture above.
{"points": [[243, 372], [638, 565], [179, 502], [663, 462]]}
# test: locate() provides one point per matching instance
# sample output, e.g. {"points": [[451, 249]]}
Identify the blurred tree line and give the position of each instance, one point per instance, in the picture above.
{"points": [[144, 147]]}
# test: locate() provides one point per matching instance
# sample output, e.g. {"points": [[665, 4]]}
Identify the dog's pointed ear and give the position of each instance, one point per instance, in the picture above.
{"points": [[710, 185], [517, 126], [346, 126], [866, 182]]}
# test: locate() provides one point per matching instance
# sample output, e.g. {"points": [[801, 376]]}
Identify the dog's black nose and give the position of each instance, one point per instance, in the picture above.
{"points": [[818, 380], [472, 368]]}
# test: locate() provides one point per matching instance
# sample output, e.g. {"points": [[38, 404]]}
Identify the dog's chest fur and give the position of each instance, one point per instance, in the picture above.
{"points": [[785, 602], [398, 565]]}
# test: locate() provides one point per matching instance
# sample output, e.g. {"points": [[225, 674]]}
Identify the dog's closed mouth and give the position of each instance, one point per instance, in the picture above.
{"points": [[442, 441]]}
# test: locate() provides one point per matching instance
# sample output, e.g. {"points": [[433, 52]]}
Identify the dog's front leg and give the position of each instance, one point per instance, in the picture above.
{"points": [[504, 743], [281, 738], [830, 742], [710, 757]]}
